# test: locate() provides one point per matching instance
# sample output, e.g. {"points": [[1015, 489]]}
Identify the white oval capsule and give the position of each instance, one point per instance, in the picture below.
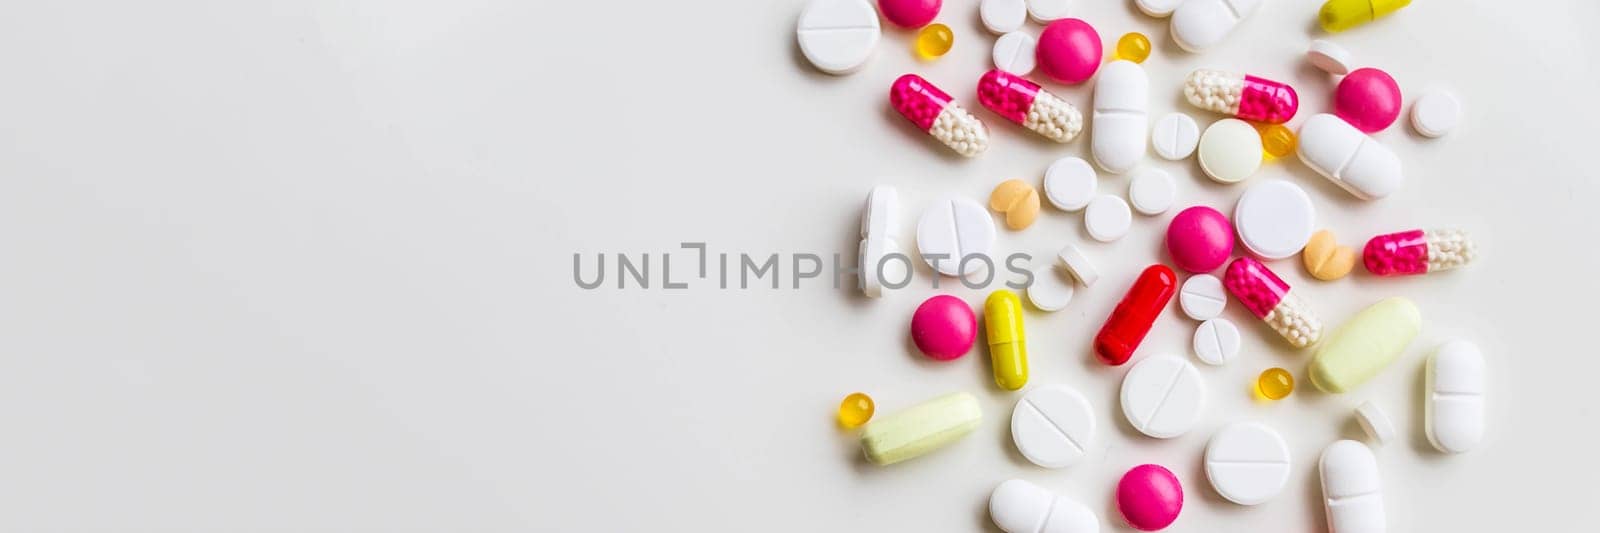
{"points": [[1018, 506], [1354, 161], [1454, 407], [1121, 96], [1351, 490], [1199, 24]]}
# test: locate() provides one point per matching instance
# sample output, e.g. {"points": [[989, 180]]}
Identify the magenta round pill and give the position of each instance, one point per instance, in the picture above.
{"points": [[1368, 99], [1149, 497], [1069, 51], [1200, 239], [944, 327], [910, 13]]}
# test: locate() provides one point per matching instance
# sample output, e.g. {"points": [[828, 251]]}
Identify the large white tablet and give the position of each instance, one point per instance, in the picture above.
{"points": [[838, 36], [1248, 463], [1163, 396], [1052, 426], [954, 228]]}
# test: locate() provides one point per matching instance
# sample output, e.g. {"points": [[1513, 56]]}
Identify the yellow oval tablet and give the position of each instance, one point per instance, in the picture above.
{"points": [[923, 428], [1365, 344], [1008, 349]]}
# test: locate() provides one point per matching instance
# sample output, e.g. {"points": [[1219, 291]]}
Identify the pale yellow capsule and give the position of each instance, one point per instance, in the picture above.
{"points": [[921, 429]]}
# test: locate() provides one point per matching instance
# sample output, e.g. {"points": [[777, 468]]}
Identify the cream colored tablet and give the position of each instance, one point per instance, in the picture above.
{"points": [[1230, 150], [921, 429]]}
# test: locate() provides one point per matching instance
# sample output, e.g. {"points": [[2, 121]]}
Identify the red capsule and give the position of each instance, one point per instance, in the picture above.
{"points": [[1131, 320]]}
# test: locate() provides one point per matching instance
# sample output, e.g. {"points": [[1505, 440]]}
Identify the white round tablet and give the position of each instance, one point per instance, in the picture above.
{"points": [[1329, 57], [1052, 426], [1162, 396], [1078, 265], [1202, 297], [1051, 289], [1158, 8], [1014, 53], [1044, 11], [1175, 136], [1152, 191], [1436, 113], [1216, 341], [1230, 150], [838, 36], [1248, 463], [1275, 219], [1069, 183], [1375, 422], [1107, 218], [955, 227], [1003, 16]]}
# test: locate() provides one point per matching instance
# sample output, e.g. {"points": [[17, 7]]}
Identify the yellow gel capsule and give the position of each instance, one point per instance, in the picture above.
{"points": [[1340, 15], [1365, 344], [934, 40], [921, 429], [1275, 383], [1133, 46], [1277, 140], [855, 410], [1008, 349]]}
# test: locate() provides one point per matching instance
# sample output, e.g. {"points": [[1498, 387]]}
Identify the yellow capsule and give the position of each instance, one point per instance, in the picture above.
{"points": [[1275, 383], [1277, 140], [1133, 46], [934, 40], [855, 410], [1008, 349], [1340, 15]]}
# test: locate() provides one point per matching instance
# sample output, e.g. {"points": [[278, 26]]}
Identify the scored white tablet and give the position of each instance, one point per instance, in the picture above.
{"points": [[1003, 16], [1014, 53], [1275, 219], [1163, 396], [1175, 136], [880, 222], [1453, 410], [838, 36], [1216, 341], [1351, 491], [1202, 297], [1052, 426], [954, 228], [1248, 463], [1018, 506]]}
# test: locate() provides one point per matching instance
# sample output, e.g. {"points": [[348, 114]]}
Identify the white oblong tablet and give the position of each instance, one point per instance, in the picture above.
{"points": [[1051, 289], [1078, 265], [1201, 24], [1052, 426], [1152, 191], [1162, 396], [1202, 297], [1018, 506], [1436, 113], [1175, 136], [1157, 8], [1351, 490], [1107, 218], [1014, 53], [955, 227], [1275, 219], [1120, 127], [1329, 57], [1216, 341], [1248, 463], [879, 225], [1069, 183], [1003, 16], [838, 36], [1375, 422], [1044, 11], [1453, 410], [1340, 152], [1230, 150]]}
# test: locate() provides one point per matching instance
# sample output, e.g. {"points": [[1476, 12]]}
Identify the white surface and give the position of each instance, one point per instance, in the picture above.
{"points": [[1202, 297], [1163, 396], [1152, 191], [1435, 113], [1157, 8], [1107, 218], [1330, 57], [1216, 341], [1018, 506], [1375, 423], [1247, 463], [1053, 426], [1355, 162], [1052, 287], [1120, 123], [1014, 53], [1002, 16], [1230, 150], [951, 230], [1077, 263], [1274, 218], [1198, 25], [293, 265], [1175, 136], [1044, 11], [838, 36], [1352, 489], [1453, 414], [1070, 183]]}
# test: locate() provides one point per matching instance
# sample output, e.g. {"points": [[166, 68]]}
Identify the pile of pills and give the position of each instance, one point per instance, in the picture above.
{"points": [[1161, 395]]}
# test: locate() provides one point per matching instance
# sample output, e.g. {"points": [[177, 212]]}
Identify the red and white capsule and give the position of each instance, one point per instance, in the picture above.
{"points": [[1024, 102], [1269, 299], [933, 112], [1418, 252], [1241, 96]]}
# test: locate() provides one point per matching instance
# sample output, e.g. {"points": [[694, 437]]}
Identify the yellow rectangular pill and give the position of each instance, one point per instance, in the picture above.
{"points": [[1365, 344], [921, 429]]}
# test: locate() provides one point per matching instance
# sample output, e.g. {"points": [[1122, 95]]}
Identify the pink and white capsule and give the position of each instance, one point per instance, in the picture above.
{"points": [[1418, 252], [933, 112], [1269, 299], [1024, 102], [1241, 96]]}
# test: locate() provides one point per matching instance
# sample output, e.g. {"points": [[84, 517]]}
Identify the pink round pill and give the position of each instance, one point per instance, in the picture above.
{"points": [[944, 327], [1149, 497], [1200, 239], [1368, 99], [1069, 51], [910, 13]]}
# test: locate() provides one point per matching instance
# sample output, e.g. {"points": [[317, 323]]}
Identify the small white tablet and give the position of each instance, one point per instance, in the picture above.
{"points": [[1175, 136], [1014, 53], [1044, 11], [1078, 265], [1003, 16], [1275, 219], [838, 36], [1329, 57], [1230, 150], [1202, 297], [1152, 191], [1069, 183], [1436, 113], [880, 222], [1052, 426], [1216, 341], [1248, 463], [1052, 288], [1163, 396], [1375, 422], [1107, 218], [1157, 8], [955, 227]]}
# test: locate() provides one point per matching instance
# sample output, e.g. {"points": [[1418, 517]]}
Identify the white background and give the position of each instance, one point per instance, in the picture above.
{"points": [[307, 266]]}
